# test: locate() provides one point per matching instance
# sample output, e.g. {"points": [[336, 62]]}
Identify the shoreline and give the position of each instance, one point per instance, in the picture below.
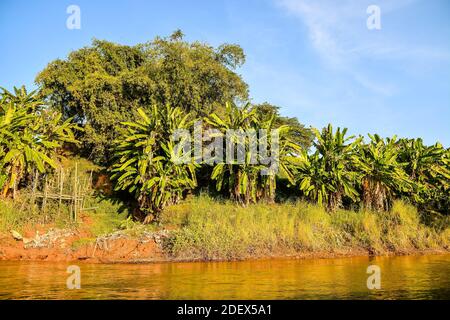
{"points": [[299, 256], [146, 250]]}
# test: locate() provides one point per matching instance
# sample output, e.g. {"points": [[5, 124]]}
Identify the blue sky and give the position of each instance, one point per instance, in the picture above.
{"points": [[315, 59]]}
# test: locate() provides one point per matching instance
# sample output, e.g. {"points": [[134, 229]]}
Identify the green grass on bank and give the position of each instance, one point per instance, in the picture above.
{"points": [[221, 230], [18, 214]]}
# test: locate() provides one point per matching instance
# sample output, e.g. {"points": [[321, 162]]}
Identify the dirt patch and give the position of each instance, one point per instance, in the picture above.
{"points": [[68, 245]]}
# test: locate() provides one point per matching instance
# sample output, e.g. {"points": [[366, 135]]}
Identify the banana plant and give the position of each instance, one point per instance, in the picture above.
{"points": [[312, 179], [30, 135], [326, 176], [428, 168], [144, 163], [382, 174], [244, 180]]}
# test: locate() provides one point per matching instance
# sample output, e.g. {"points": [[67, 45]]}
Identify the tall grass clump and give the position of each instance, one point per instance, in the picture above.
{"points": [[17, 214], [208, 229], [106, 217], [403, 230], [11, 217]]}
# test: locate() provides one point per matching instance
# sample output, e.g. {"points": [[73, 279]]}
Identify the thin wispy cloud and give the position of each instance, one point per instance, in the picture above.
{"points": [[337, 31]]}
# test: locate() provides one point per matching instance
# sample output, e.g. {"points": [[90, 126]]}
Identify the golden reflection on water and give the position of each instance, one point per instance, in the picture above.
{"points": [[410, 277]]}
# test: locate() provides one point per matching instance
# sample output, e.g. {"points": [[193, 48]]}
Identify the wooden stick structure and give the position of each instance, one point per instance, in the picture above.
{"points": [[75, 194]]}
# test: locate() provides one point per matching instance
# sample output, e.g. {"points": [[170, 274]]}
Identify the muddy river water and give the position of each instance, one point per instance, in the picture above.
{"points": [[408, 277]]}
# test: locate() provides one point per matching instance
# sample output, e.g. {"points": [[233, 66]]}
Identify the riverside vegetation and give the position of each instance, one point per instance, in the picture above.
{"points": [[112, 109]]}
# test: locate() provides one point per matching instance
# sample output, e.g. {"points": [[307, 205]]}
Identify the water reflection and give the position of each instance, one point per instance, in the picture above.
{"points": [[413, 277]]}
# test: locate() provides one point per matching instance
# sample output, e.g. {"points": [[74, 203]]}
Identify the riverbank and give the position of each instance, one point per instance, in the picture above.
{"points": [[66, 246], [204, 229]]}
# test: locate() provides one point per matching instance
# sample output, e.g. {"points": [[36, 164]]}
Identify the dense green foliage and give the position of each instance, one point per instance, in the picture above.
{"points": [[327, 175], [30, 134], [342, 172], [347, 172], [244, 181], [144, 165], [382, 175], [428, 168], [103, 84]]}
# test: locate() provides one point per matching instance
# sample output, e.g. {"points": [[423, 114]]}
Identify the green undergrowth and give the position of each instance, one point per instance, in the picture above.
{"points": [[209, 229]]}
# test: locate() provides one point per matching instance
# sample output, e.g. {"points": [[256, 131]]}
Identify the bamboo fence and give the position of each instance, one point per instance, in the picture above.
{"points": [[66, 186]]}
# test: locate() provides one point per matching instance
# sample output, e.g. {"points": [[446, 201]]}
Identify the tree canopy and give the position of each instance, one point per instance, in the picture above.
{"points": [[297, 133], [103, 84]]}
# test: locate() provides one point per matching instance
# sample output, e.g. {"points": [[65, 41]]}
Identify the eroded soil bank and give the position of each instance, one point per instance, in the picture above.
{"points": [[68, 245]]}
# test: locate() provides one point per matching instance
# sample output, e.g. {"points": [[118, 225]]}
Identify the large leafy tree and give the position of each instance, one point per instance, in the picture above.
{"points": [[327, 175], [244, 181], [144, 160], [103, 84], [30, 135], [382, 174]]}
